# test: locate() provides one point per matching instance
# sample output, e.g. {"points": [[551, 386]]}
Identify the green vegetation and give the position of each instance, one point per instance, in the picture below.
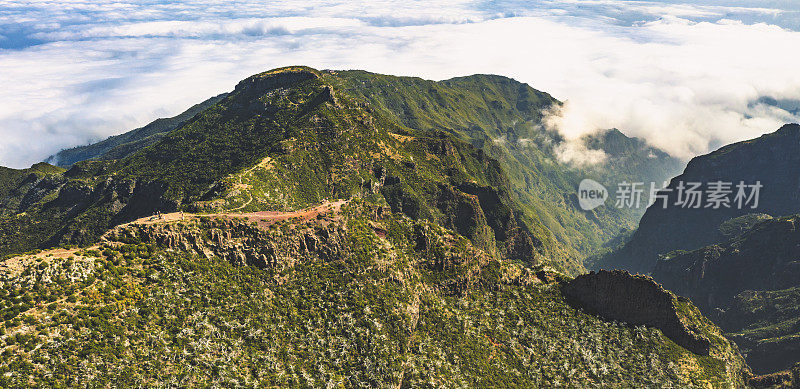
{"points": [[442, 271], [386, 301], [504, 118], [770, 314], [21, 227], [766, 326], [322, 144], [733, 228]]}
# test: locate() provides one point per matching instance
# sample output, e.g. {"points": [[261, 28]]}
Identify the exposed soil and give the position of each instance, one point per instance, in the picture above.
{"points": [[263, 218]]}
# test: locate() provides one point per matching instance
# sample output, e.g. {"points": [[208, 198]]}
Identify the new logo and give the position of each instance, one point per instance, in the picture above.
{"points": [[591, 194]]}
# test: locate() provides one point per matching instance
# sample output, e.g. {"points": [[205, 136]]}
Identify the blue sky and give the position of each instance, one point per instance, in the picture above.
{"points": [[687, 76]]}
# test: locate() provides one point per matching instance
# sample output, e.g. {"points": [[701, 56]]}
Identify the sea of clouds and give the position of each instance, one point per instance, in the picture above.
{"points": [[686, 76]]}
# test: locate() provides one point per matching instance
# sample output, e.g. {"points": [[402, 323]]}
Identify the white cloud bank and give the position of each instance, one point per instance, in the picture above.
{"points": [[686, 77]]}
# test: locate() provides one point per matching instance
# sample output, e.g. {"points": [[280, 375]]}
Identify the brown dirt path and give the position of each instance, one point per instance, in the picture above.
{"points": [[263, 218]]}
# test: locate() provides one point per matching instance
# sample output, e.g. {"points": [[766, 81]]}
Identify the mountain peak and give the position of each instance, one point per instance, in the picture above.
{"points": [[487, 77], [787, 129], [281, 71], [615, 133], [277, 78]]}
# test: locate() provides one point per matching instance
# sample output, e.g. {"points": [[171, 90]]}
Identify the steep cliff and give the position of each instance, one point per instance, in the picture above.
{"points": [[771, 160]]}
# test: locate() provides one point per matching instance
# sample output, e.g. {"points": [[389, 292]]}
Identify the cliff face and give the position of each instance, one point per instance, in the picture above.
{"points": [[637, 300], [235, 241], [765, 258], [771, 159], [283, 246]]}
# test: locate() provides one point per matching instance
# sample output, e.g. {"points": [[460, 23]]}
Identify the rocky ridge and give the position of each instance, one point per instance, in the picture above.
{"points": [[771, 160], [638, 300]]}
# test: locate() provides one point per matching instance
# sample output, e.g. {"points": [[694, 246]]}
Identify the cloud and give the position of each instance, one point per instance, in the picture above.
{"points": [[574, 152], [686, 77]]}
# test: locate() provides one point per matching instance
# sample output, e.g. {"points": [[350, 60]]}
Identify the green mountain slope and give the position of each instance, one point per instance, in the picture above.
{"points": [[283, 140], [504, 118], [362, 297], [19, 190]]}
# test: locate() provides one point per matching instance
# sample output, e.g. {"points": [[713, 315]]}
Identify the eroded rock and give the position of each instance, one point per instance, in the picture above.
{"points": [[637, 300]]}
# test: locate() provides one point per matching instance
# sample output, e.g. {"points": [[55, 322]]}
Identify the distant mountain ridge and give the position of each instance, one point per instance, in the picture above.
{"points": [[739, 266], [631, 158], [771, 160], [122, 145]]}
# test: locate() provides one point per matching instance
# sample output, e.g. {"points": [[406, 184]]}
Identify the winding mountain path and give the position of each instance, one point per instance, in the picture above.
{"points": [[263, 218]]}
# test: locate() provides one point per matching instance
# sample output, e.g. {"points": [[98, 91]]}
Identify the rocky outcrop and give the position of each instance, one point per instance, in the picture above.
{"points": [[485, 214], [454, 265], [637, 300], [274, 79], [236, 241]]}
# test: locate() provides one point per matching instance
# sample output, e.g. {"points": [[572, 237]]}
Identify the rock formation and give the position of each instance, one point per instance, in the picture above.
{"points": [[638, 300]]}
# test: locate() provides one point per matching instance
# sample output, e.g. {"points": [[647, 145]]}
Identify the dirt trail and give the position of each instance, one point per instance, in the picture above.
{"points": [[265, 163], [263, 218]]}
